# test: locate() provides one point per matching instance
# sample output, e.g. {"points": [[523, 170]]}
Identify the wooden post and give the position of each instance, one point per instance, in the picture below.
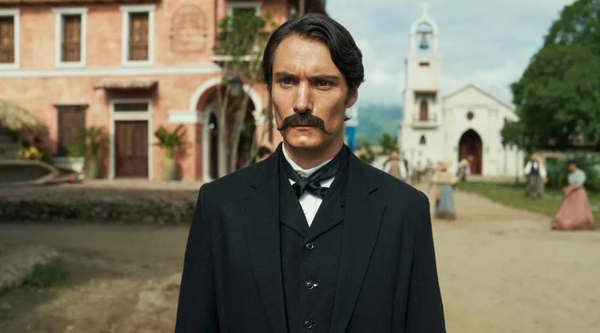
{"points": [[302, 7]]}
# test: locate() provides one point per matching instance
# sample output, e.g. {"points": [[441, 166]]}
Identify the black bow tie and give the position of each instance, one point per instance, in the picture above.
{"points": [[312, 184]]}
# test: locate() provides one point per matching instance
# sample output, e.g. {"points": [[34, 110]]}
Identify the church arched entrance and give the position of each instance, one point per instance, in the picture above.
{"points": [[470, 147]]}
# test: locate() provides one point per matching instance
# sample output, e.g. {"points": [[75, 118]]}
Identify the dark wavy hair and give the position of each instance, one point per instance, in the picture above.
{"points": [[319, 27]]}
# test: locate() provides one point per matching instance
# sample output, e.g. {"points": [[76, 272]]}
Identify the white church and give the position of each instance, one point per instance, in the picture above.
{"points": [[450, 127]]}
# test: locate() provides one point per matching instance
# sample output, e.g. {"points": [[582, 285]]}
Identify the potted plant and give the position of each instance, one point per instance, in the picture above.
{"points": [[170, 141], [94, 143], [75, 158]]}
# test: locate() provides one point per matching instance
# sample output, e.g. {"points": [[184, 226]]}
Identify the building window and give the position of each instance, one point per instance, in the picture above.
{"points": [[234, 8], [470, 115], [132, 107], [138, 37], [424, 111], [71, 29], [422, 141], [71, 122], [71, 43], [9, 38], [138, 34]]}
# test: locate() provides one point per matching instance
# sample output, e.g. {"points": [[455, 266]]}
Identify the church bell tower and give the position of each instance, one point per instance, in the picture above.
{"points": [[421, 136]]}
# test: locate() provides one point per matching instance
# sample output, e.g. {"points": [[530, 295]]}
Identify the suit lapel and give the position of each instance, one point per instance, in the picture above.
{"points": [[261, 222], [362, 220]]}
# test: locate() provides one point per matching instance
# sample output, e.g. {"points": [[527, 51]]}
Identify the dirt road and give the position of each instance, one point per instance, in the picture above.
{"points": [[501, 270]]}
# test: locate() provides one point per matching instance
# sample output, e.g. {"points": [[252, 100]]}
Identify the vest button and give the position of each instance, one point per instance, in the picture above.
{"points": [[310, 246], [308, 324], [310, 285]]}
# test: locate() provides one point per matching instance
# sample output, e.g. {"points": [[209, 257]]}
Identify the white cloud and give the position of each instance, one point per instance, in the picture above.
{"points": [[486, 43]]}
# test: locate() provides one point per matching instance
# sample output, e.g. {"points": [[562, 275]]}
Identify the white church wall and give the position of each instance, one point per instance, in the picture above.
{"points": [[414, 151], [425, 78], [487, 121], [447, 115]]}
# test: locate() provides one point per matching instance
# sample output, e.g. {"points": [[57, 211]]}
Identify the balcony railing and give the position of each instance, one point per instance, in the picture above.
{"points": [[7, 54], [430, 122], [71, 52], [138, 50]]}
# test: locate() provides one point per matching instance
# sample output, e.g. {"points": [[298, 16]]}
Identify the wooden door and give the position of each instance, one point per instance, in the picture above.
{"points": [[71, 122], [424, 111], [470, 147], [131, 149]]}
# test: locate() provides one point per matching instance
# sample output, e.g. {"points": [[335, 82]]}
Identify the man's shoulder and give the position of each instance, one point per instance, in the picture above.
{"points": [[234, 183], [394, 188]]}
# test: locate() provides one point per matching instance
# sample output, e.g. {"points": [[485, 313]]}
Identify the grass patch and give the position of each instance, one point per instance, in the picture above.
{"points": [[513, 196], [53, 274]]}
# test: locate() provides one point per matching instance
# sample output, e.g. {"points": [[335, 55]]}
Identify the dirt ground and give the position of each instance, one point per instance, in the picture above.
{"points": [[501, 270]]}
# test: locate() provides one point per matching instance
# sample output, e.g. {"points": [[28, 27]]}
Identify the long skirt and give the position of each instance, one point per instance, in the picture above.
{"points": [[444, 207], [574, 213], [535, 187]]}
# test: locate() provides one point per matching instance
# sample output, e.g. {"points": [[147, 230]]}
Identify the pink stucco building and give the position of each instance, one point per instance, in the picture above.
{"points": [[129, 66]]}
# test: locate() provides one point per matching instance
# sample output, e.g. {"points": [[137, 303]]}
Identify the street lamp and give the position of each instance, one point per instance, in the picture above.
{"points": [[235, 85]]}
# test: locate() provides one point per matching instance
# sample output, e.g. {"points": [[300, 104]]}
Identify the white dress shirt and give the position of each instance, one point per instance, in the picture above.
{"points": [[310, 203], [540, 166]]}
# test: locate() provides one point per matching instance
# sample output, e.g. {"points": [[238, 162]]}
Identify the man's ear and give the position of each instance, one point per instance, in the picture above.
{"points": [[352, 97]]}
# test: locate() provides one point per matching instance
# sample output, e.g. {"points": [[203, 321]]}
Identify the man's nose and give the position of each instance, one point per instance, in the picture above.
{"points": [[303, 98]]}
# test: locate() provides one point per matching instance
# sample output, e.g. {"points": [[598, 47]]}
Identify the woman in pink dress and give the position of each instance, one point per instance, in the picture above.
{"points": [[575, 212]]}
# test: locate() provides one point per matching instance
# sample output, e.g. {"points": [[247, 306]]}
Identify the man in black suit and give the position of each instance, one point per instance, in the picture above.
{"points": [[311, 239]]}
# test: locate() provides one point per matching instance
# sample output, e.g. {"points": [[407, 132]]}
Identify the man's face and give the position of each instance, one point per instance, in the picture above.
{"points": [[572, 166], [307, 82]]}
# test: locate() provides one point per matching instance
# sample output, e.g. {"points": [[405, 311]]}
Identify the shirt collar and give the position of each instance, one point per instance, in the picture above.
{"points": [[297, 168]]}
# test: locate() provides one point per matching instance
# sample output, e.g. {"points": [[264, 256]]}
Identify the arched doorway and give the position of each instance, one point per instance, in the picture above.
{"points": [[213, 127], [205, 101], [470, 146]]}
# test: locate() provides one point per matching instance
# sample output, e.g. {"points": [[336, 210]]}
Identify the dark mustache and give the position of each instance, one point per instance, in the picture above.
{"points": [[303, 119]]}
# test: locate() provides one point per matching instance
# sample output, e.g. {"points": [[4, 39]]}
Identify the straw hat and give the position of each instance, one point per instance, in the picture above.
{"points": [[443, 165]]}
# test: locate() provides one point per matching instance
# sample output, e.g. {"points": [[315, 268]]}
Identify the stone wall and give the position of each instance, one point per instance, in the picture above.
{"points": [[85, 204]]}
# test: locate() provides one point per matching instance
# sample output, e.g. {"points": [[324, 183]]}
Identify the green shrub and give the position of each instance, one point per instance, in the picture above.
{"points": [[48, 275], [588, 162]]}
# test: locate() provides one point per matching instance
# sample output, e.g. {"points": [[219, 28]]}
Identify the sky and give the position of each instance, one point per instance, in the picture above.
{"points": [[483, 42]]}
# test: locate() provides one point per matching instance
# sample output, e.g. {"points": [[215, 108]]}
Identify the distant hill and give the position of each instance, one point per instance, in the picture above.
{"points": [[373, 120]]}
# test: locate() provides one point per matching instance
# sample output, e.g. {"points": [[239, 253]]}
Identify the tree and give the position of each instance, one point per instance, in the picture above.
{"points": [[240, 41], [558, 96], [366, 153], [388, 144]]}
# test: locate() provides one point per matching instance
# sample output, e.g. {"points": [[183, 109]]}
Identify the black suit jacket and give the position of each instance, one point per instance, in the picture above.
{"points": [[232, 276]]}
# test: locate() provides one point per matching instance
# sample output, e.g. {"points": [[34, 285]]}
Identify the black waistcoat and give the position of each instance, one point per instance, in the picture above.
{"points": [[310, 256]]}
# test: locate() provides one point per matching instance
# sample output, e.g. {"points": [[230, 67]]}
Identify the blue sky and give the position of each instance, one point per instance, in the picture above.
{"points": [[483, 42]]}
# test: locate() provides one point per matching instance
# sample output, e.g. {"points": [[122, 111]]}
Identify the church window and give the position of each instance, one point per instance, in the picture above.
{"points": [[424, 64], [470, 115], [424, 111], [423, 141]]}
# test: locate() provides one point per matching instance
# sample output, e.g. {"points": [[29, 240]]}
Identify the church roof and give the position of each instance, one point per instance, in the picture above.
{"points": [[480, 91]]}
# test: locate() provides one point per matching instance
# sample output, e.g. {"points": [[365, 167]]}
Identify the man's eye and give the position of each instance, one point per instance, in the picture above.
{"points": [[323, 83], [286, 81]]}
